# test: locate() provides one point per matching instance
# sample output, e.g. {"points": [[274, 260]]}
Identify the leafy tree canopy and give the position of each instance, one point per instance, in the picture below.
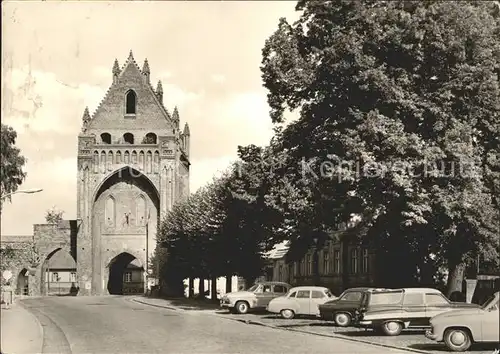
{"points": [[11, 173], [399, 121]]}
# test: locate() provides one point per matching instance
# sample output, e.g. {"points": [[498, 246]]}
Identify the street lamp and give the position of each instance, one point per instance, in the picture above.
{"points": [[24, 191]]}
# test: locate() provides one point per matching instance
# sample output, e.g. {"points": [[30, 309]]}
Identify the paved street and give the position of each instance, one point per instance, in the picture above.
{"points": [[115, 324], [412, 340]]}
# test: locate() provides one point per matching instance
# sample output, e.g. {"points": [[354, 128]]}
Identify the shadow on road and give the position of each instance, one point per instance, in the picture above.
{"points": [[370, 333], [440, 347]]}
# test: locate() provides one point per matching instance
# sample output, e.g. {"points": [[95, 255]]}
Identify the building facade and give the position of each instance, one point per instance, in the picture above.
{"points": [[133, 165], [342, 263]]}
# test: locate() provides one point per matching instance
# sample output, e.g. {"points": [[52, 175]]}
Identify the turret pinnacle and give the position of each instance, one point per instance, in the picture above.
{"points": [[116, 68], [159, 91], [145, 67], [85, 119], [175, 117], [131, 56], [186, 130]]}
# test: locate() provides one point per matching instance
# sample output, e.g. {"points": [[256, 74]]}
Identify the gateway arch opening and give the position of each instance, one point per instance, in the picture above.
{"points": [[126, 275]]}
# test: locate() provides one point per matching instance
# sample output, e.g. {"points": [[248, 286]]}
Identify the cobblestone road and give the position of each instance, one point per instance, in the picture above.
{"points": [[414, 340], [115, 324]]}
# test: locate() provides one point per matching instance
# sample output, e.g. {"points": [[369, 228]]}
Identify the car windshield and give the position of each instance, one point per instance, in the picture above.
{"points": [[491, 302], [328, 293], [253, 288]]}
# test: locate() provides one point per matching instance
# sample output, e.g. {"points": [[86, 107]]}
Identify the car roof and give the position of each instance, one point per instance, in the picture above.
{"points": [[273, 283], [364, 289], [309, 287], [412, 290]]}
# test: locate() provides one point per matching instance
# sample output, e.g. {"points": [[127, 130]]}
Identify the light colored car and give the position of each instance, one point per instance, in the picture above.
{"points": [[301, 300], [255, 298], [393, 310], [458, 329]]}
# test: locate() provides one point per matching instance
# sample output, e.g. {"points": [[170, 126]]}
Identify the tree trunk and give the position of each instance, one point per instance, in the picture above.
{"points": [[455, 278], [213, 290], [201, 288], [229, 283], [190, 287]]}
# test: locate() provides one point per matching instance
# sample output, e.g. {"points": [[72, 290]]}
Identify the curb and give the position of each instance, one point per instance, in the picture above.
{"points": [[40, 327], [290, 329], [153, 305]]}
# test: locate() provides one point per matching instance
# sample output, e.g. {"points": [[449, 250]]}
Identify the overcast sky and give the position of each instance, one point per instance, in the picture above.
{"points": [[57, 58]]}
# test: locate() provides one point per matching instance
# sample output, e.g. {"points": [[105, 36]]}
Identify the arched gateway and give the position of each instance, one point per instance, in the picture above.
{"points": [[126, 181], [133, 165]]}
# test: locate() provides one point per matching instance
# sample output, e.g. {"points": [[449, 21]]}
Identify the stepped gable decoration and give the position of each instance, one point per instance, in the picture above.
{"points": [[127, 76]]}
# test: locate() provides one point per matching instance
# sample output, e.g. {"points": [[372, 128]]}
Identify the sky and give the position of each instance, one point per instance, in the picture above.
{"points": [[57, 59]]}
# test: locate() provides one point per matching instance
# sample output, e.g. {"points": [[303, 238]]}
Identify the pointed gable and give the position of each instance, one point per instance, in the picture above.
{"points": [[130, 104]]}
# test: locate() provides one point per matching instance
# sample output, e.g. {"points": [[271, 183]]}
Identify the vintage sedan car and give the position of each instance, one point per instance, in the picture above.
{"points": [[458, 329], [255, 298], [301, 300], [345, 309], [393, 310]]}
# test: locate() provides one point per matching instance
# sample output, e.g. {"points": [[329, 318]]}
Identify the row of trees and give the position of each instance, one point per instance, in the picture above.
{"points": [[399, 122]]}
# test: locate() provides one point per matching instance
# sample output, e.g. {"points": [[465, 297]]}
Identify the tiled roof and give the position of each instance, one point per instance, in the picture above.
{"points": [[62, 260]]}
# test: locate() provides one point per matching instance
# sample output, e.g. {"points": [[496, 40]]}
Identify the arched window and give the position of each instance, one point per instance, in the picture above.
{"points": [[109, 211], [131, 102], [128, 138], [150, 138], [106, 138]]}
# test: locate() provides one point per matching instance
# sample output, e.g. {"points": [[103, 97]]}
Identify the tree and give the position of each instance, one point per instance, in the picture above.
{"points": [[399, 121], [54, 216], [11, 173]]}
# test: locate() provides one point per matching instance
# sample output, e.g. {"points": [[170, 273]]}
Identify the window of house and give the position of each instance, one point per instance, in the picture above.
{"points": [[128, 138], [73, 277], [435, 299], [354, 261], [131, 102], [150, 138], [365, 261], [303, 294], [106, 138], [280, 289], [317, 294], [55, 276], [326, 262], [127, 277], [309, 264], [336, 261]]}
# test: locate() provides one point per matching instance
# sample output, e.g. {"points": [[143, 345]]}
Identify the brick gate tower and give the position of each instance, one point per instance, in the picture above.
{"points": [[133, 164]]}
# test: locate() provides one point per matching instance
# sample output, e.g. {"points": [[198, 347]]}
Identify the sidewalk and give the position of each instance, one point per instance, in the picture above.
{"points": [[21, 333]]}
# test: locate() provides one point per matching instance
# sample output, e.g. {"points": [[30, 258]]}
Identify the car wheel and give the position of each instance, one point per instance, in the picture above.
{"points": [[241, 307], [342, 319], [457, 339], [287, 314], [392, 328]]}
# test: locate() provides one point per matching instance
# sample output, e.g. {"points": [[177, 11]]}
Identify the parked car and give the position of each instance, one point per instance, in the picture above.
{"points": [[394, 310], [256, 297], [301, 300], [458, 329], [345, 309]]}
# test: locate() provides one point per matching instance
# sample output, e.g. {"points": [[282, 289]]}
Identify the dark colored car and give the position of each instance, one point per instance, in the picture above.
{"points": [[345, 309], [394, 310]]}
